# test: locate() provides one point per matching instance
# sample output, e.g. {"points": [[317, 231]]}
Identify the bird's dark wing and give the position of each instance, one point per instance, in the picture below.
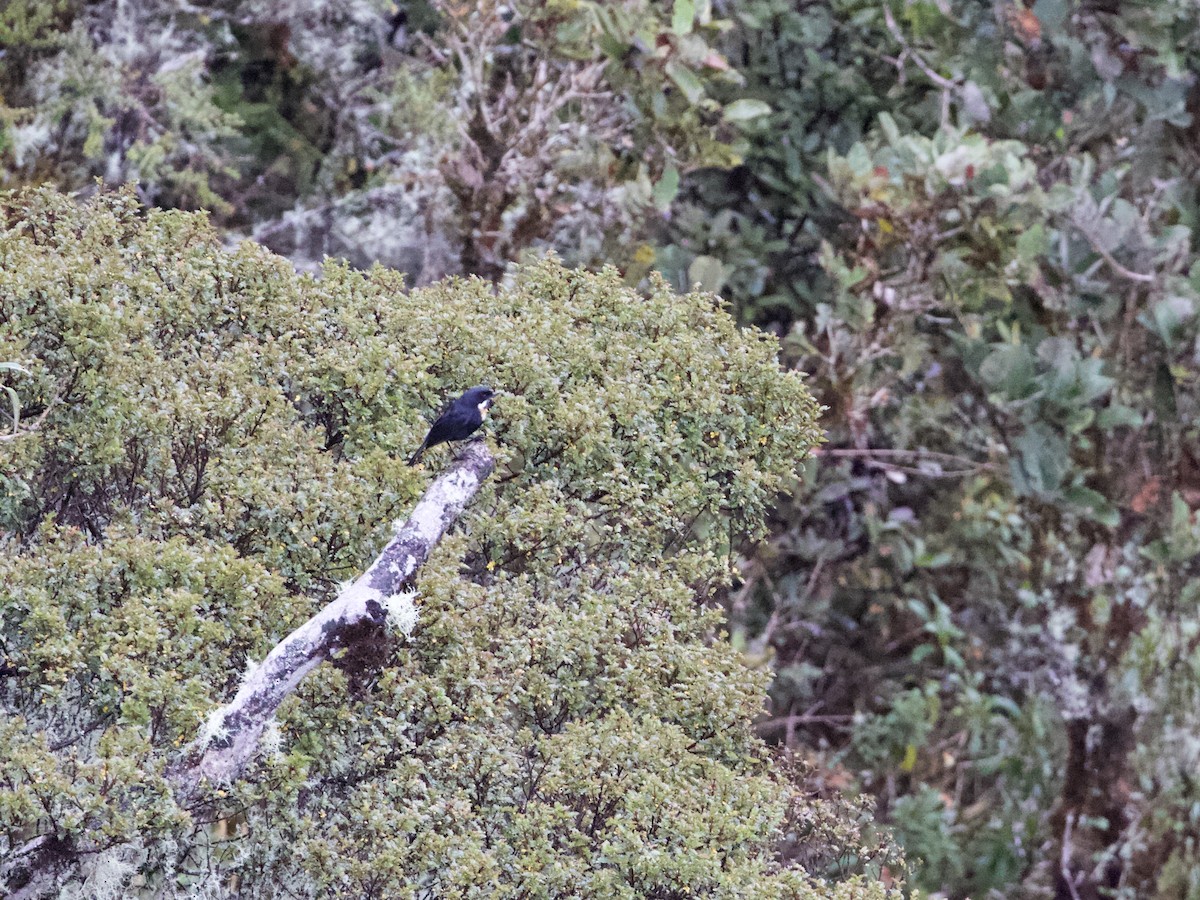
{"points": [[443, 429], [431, 439], [456, 423]]}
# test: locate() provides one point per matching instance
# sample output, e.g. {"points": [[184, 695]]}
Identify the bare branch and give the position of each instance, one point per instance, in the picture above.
{"points": [[941, 81], [1064, 859], [357, 613], [873, 455], [22, 430], [1123, 271], [35, 869]]}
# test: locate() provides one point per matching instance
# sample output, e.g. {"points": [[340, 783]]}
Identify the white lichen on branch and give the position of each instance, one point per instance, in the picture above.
{"points": [[381, 596], [402, 613]]}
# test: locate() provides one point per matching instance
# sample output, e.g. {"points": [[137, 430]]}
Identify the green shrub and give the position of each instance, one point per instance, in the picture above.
{"points": [[228, 443]]}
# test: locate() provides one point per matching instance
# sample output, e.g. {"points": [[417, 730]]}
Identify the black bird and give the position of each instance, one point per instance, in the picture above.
{"points": [[459, 421]]}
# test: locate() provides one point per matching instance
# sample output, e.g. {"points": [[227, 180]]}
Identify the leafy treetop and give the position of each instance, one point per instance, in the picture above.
{"points": [[227, 442]]}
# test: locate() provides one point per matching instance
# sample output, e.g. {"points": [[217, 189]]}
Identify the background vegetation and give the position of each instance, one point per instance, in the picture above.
{"points": [[970, 223]]}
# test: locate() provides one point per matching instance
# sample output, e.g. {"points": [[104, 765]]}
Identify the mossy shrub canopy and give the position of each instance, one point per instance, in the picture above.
{"points": [[224, 441]]}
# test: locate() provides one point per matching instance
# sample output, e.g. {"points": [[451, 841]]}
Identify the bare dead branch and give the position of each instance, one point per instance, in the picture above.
{"points": [[22, 430], [874, 456], [1118, 268], [229, 742], [941, 81], [1064, 859]]}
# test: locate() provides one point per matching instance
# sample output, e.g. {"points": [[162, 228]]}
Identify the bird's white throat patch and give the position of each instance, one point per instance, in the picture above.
{"points": [[483, 408]]}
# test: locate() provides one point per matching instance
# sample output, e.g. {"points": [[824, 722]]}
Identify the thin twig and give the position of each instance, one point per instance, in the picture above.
{"points": [[1064, 860], [33, 426], [872, 456], [1140, 277], [944, 83], [789, 722]]}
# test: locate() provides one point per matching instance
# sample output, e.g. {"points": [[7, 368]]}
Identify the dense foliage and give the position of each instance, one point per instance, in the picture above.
{"points": [[224, 442], [439, 137], [971, 223], [977, 234]]}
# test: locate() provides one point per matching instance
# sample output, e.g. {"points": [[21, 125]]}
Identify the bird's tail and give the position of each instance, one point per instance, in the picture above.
{"points": [[416, 457]]}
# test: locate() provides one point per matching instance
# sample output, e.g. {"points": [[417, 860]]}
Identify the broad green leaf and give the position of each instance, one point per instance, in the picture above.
{"points": [[1031, 243], [1041, 461], [1009, 369], [1051, 13], [1096, 504]]}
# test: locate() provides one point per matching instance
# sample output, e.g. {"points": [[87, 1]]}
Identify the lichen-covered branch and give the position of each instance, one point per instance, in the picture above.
{"points": [[232, 733]]}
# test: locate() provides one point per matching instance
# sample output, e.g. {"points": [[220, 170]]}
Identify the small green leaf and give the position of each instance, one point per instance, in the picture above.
{"points": [[1079, 419], [708, 273], [1096, 505], [1117, 415], [685, 79], [683, 16], [745, 109], [667, 188], [13, 399], [953, 658], [16, 406], [890, 130], [921, 653]]}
